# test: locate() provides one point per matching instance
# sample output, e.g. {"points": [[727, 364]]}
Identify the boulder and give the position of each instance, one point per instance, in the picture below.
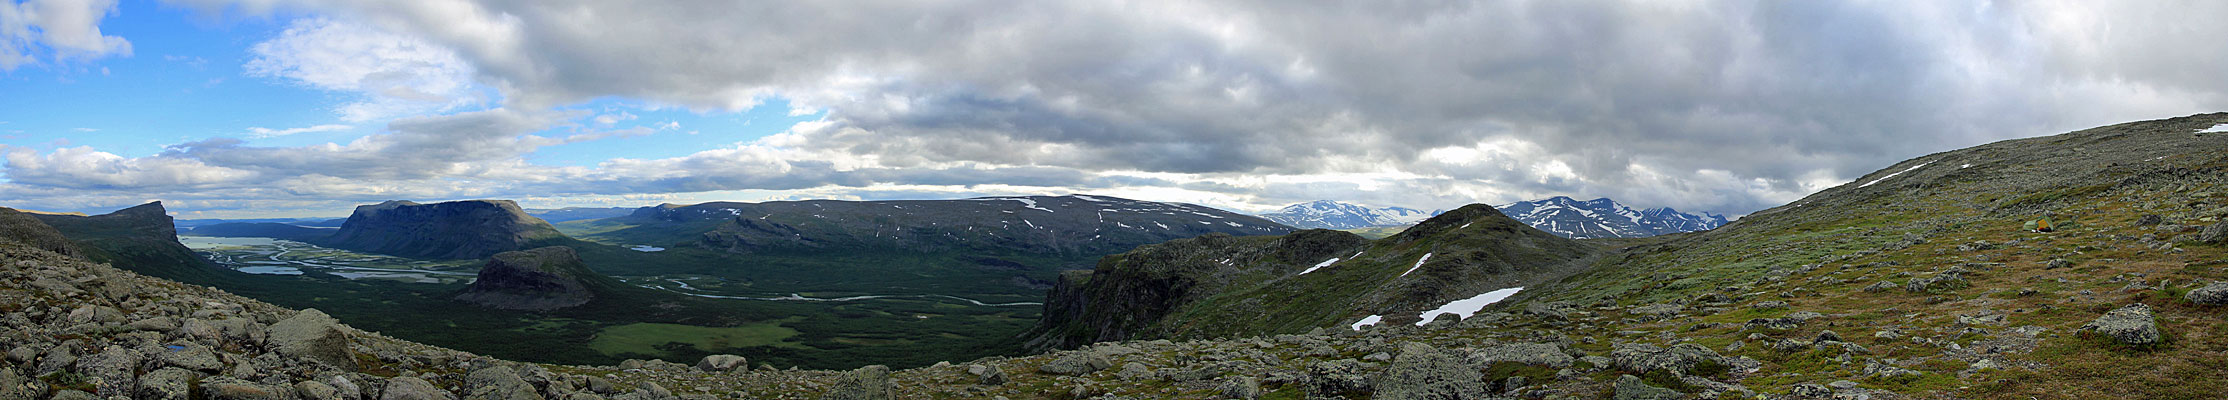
{"points": [[871, 382], [314, 390], [1076, 363], [1643, 358], [312, 335], [2148, 220], [409, 388], [112, 369], [989, 374], [191, 356], [165, 384], [1423, 372], [1631, 388], [2215, 233], [1338, 378], [2211, 295], [2131, 325], [1240, 387], [497, 383], [1547, 354], [722, 362], [230, 388]]}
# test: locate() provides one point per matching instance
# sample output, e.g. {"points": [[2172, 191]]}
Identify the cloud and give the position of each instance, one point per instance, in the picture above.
{"points": [[391, 75], [261, 132], [65, 29], [1726, 106]]}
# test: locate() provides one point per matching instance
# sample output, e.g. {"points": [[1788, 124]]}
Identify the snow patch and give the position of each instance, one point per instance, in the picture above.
{"points": [[1367, 321], [1466, 307], [1325, 263], [646, 248], [1964, 166], [1913, 168], [1088, 198], [2220, 128], [1419, 264]]}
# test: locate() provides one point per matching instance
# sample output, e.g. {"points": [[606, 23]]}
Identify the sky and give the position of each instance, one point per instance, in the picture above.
{"points": [[305, 108]]}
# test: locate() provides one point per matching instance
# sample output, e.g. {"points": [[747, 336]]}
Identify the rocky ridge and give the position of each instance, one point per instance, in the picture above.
{"points": [[541, 279]]}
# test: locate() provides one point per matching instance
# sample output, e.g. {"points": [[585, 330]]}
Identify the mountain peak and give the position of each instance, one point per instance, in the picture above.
{"points": [[1332, 214], [1605, 217]]}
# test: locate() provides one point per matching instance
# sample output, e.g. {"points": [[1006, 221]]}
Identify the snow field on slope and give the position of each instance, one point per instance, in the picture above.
{"points": [[1469, 306]]}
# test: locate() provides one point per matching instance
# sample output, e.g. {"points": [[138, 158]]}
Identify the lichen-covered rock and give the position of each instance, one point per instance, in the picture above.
{"points": [[165, 384], [2131, 325], [990, 374], [410, 388], [1076, 363], [1631, 388], [313, 335], [1547, 354], [722, 362], [1681, 358], [498, 383], [871, 382], [1240, 387], [1423, 372], [1338, 378], [230, 388], [2211, 295], [2215, 233]]}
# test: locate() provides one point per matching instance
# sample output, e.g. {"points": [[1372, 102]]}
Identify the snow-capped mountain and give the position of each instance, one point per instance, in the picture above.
{"points": [[1327, 214], [1605, 218]]}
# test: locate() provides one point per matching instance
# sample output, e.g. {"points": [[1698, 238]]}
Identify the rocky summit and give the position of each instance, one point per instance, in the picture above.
{"points": [[540, 279], [457, 229]]}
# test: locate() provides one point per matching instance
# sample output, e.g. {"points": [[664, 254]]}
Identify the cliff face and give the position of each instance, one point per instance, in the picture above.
{"points": [[451, 230], [140, 238], [541, 279], [1220, 286]]}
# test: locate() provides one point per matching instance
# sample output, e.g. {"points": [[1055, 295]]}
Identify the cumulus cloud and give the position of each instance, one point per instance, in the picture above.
{"points": [[64, 29], [262, 132], [1726, 106], [391, 75]]}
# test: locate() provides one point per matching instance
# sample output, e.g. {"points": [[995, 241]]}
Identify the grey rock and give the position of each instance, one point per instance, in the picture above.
{"points": [[988, 374], [1658, 310], [75, 395], [112, 369], [1240, 387], [1631, 388], [1681, 358], [1423, 372], [230, 388], [191, 356], [314, 390], [871, 382], [1548, 354], [1882, 286], [156, 324], [1338, 378], [2057, 263], [2148, 220], [2211, 295], [722, 362], [313, 335], [1842, 385], [1810, 391], [2215, 233], [497, 383], [165, 384], [1133, 371], [2132, 325], [410, 388], [1076, 363]]}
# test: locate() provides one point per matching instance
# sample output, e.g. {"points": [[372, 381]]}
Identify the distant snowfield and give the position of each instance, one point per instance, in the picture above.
{"points": [[1469, 306], [1367, 321], [646, 248], [2221, 128]]}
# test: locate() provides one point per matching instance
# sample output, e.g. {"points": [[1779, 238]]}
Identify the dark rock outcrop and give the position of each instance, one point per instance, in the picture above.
{"points": [[541, 279], [450, 230]]}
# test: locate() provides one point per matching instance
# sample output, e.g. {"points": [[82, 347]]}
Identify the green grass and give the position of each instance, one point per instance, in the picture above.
{"points": [[650, 339]]}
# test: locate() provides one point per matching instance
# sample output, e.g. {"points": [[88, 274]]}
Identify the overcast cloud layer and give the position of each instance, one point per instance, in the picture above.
{"points": [[1721, 106]]}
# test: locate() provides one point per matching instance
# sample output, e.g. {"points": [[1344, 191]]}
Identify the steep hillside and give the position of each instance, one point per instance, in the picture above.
{"points": [[450, 230], [1605, 218], [21, 228], [567, 214], [140, 237], [1327, 214], [1220, 286], [540, 279]]}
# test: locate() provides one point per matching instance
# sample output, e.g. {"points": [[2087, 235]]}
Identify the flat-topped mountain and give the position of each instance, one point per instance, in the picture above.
{"points": [[276, 230], [450, 230], [540, 279], [1221, 286], [141, 238], [1605, 218], [1055, 225]]}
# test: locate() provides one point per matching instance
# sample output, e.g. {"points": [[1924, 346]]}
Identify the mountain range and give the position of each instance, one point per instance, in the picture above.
{"points": [[1329, 214], [1605, 218]]}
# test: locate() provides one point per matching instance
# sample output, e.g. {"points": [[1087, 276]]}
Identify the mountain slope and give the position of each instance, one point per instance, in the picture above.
{"points": [[451, 230], [141, 237], [1066, 225], [1605, 218], [1327, 214], [1219, 286], [262, 229]]}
